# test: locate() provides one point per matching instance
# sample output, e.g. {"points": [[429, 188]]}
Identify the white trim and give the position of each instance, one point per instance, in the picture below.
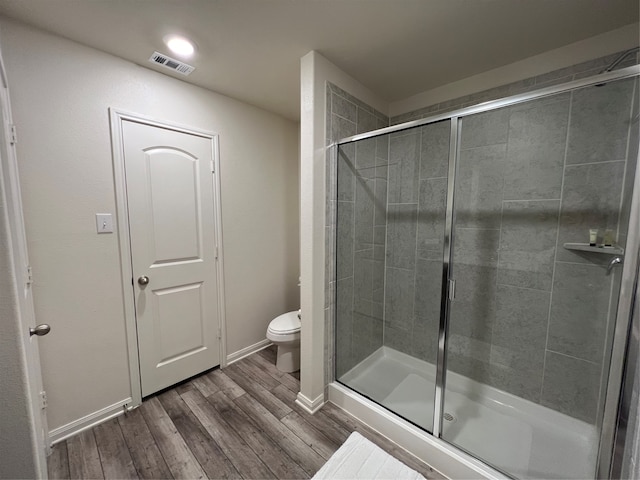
{"points": [[311, 406], [217, 210], [117, 116], [245, 352], [448, 460], [126, 270], [88, 421]]}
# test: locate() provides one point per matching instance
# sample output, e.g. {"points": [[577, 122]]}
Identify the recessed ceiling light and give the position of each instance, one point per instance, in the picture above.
{"points": [[179, 45]]}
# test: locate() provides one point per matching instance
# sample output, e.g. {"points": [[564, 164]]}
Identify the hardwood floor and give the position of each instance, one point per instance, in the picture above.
{"points": [[240, 422]]}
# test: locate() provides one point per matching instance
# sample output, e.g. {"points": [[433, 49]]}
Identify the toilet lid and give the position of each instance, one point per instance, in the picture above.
{"points": [[285, 323]]}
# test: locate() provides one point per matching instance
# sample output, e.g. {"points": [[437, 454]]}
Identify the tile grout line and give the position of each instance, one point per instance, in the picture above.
{"points": [[573, 357]]}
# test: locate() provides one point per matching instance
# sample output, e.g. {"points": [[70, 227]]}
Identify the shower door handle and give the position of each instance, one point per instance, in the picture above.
{"points": [[452, 290]]}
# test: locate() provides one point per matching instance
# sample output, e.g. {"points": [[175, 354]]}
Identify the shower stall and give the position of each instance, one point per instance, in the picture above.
{"points": [[470, 299]]}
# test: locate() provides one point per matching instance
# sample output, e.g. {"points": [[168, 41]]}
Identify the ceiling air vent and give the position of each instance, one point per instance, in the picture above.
{"points": [[171, 63]]}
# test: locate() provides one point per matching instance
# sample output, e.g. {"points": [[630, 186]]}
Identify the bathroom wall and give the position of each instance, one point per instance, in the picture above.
{"points": [[360, 213], [61, 93], [530, 317]]}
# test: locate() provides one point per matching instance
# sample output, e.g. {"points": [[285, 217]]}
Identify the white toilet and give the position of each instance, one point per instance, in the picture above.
{"points": [[284, 331]]}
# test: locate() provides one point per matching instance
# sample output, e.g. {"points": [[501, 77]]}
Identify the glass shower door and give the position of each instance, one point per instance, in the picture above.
{"points": [[530, 328], [392, 192]]}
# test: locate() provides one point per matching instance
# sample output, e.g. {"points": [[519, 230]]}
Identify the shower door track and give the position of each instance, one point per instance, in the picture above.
{"points": [[615, 384]]}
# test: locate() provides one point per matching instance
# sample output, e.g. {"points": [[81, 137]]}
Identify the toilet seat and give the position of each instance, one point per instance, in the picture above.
{"points": [[284, 328]]}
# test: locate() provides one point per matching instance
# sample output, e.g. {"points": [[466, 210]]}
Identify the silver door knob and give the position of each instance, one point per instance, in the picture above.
{"points": [[143, 280], [40, 330]]}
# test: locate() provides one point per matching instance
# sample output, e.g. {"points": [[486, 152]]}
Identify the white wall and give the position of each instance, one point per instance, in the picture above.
{"points": [[574, 53], [315, 72], [61, 92]]}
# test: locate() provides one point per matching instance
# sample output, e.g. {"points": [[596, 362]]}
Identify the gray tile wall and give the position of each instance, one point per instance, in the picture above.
{"points": [[418, 168], [355, 260]]}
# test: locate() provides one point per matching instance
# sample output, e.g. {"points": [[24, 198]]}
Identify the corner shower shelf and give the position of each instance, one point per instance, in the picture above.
{"points": [[585, 247]]}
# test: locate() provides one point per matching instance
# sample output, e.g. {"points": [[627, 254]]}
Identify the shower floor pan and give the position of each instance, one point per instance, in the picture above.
{"points": [[517, 436]]}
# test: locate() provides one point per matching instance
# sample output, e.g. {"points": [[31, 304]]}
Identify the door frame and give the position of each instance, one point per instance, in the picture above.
{"points": [[117, 117]]}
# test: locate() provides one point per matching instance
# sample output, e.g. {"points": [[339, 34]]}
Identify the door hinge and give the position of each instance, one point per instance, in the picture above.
{"points": [[212, 165], [43, 400], [452, 290], [14, 135], [216, 253], [219, 333], [29, 276]]}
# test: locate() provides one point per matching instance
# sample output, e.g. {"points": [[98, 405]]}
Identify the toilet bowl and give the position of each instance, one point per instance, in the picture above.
{"points": [[284, 332]]}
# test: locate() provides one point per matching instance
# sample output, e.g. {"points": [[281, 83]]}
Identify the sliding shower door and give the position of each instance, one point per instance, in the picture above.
{"points": [[391, 207], [531, 325]]}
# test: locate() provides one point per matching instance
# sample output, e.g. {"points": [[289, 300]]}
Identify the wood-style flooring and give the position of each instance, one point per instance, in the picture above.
{"points": [[240, 422]]}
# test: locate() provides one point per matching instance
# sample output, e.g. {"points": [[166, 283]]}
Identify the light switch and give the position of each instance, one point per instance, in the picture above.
{"points": [[104, 223]]}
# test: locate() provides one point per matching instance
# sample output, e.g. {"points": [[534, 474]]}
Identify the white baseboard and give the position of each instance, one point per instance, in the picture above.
{"points": [[245, 352], [88, 421], [311, 406]]}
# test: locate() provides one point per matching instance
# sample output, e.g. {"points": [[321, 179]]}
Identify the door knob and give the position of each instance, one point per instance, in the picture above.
{"points": [[143, 280], [40, 330]]}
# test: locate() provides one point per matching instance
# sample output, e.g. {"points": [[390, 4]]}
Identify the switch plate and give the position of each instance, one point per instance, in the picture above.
{"points": [[104, 223]]}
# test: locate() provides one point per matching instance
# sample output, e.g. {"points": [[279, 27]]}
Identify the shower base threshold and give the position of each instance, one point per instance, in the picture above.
{"points": [[514, 435]]}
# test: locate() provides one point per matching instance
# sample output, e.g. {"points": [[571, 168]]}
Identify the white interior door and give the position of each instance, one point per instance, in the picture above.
{"points": [[22, 271], [173, 248]]}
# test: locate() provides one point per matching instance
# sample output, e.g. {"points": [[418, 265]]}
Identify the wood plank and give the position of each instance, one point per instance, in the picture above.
{"points": [[225, 384], [142, 446], [299, 451], [235, 448], [58, 461], [310, 435], [269, 452], [114, 454], [205, 385], [181, 462], [257, 374], [184, 387], [332, 430], [212, 460], [84, 459], [270, 368], [270, 353], [387, 445], [264, 396]]}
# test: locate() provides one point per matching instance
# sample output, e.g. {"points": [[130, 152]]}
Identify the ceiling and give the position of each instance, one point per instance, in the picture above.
{"points": [[251, 49]]}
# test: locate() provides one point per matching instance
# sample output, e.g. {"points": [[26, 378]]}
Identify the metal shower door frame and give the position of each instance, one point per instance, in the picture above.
{"points": [[611, 415]]}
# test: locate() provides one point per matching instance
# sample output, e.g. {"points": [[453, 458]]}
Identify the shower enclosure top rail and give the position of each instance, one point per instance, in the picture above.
{"points": [[502, 102]]}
